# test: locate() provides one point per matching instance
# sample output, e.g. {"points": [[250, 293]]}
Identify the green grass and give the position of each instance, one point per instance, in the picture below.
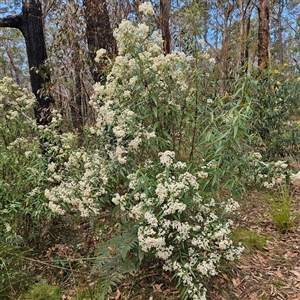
{"points": [[42, 291], [250, 240], [281, 210]]}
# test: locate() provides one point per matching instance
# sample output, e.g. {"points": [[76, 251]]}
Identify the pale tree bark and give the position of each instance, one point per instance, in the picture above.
{"points": [[279, 10], [29, 22], [165, 7], [223, 58], [13, 69], [263, 34], [77, 101], [245, 10], [280, 38]]}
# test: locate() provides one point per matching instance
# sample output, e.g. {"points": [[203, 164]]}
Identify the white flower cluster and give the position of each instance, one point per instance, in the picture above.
{"points": [[121, 121], [20, 142], [146, 8], [119, 200], [16, 107], [231, 205], [59, 145], [167, 157], [100, 54], [79, 193], [295, 179], [142, 31], [177, 225], [16, 99], [269, 174]]}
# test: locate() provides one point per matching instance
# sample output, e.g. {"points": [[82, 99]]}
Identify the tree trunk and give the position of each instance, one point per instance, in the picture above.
{"points": [[263, 34], [99, 34], [248, 26], [245, 8], [280, 37], [29, 22], [165, 26], [14, 72], [76, 104]]}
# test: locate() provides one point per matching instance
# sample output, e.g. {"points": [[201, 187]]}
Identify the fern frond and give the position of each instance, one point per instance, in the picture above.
{"points": [[106, 284], [116, 257]]}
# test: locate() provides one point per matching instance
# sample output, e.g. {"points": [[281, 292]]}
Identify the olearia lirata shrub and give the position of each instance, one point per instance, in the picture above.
{"points": [[149, 103], [146, 107], [175, 224], [145, 112]]}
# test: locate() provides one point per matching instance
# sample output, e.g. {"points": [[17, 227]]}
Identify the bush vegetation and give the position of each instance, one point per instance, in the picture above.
{"points": [[163, 160]]}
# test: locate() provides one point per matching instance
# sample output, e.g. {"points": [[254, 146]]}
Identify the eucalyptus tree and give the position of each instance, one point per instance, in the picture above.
{"points": [[165, 6], [277, 9], [284, 31], [263, 34], [246, 8], [292, 21]]}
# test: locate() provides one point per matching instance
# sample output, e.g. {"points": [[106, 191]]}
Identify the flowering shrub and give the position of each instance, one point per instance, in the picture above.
{"points": [[278, 178], [145, 92], [22, 166], [15, 107], [270, 174], [177, 225], [149, 113], [267, 174], [152, 95]]}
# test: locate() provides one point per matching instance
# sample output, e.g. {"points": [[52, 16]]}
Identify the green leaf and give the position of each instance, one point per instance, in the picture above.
{"points": [[156, 124], [235, 130], [155, 111]]}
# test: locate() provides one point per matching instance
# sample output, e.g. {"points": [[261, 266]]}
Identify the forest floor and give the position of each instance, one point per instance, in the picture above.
{"points": [[270, 265]]}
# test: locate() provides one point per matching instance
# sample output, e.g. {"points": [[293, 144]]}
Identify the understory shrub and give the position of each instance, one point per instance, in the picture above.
{"points": [[158, 150], [22, 166], [150, 103], [275, 103]]}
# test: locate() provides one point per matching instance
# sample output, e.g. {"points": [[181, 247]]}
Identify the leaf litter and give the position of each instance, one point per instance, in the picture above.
{"points": [[273, 273]]}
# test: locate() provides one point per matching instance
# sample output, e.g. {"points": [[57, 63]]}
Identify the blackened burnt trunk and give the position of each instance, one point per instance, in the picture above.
{"points": [[30, 23], [99, 35]]}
